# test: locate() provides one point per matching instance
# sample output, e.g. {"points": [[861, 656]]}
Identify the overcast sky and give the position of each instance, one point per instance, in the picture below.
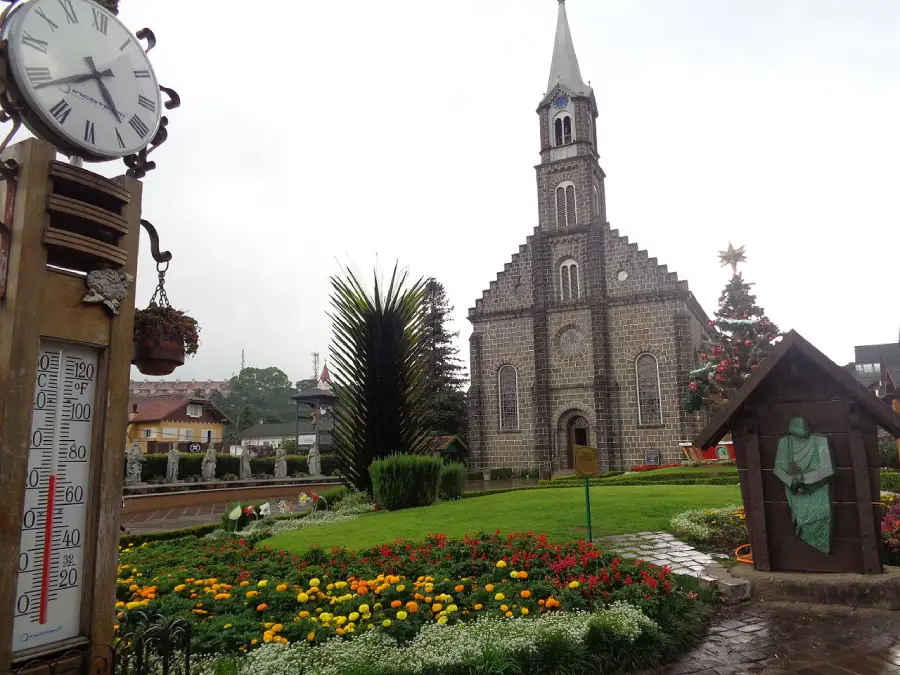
{"points": [[314, 133]]}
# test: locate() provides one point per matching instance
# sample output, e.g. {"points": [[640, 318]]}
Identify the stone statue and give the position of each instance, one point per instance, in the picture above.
{"points": [[208, 467], [803, 463], [314, 461], [246, 474], [133, 461], [280, 462], [172, 464]]}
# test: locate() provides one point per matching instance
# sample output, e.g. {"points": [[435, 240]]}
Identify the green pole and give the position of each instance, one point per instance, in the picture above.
{"points": [[587, 507]]}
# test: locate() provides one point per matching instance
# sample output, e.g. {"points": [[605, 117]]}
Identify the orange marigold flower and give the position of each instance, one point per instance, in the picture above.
{"points": [[262, 607], [459, 588], [525, 594], [437, 607], [489, 588], [396, 603], [412, 607], [362, 590]]}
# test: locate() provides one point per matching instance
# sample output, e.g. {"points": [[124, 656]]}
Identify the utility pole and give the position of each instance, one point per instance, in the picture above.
{"points": [[243, 364], [315, 356]]}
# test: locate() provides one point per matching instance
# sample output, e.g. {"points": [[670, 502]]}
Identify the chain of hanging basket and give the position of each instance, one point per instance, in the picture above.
{"points": [[160, 298]]}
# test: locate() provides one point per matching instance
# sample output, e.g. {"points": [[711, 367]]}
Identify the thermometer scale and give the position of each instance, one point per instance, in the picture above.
{"points": [[51, 550]]}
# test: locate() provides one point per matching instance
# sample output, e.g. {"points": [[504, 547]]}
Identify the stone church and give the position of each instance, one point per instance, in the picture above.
{"points": [[582, 339]]}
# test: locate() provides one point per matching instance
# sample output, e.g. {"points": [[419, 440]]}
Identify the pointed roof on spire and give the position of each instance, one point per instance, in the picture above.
{"points": [[564, 69]]}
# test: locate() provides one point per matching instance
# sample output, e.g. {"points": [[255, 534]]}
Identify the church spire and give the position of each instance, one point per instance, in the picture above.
{"points": [[564, 69]]}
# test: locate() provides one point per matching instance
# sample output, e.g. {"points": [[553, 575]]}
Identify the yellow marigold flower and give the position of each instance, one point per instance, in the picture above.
{"points": [[386, 623], [314, 582], [524, 611], [339, 584], [325, 616], [132, 605], [120, 604], [354, 616], [499, 597], [310, 636], [478, 607], [451, 609], [489, 588], [133, 587], [377, 606], [302, 597], [508, 615], [340, 620], [304, 614], [281, 588], [252, 594], [401, 588], [254, 641], [329, 587], [574, 584], [442, 620], [227, 625], [513, 575], [364, 608], [222, 596], [436, 607], [504, 608], [402, 615], [277, 628], [263, 583], [179, 588], [501, 563], [267, 636], [245, 583]]}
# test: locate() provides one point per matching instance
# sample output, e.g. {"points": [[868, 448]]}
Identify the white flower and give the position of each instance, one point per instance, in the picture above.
{"points": [[235, 513], [265, 509]]}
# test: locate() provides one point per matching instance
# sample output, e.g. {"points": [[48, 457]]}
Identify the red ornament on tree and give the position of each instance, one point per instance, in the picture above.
{"points": [[748, 342]]}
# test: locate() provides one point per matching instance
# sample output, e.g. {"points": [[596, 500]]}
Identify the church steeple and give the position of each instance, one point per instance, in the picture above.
{"points": [[564, 68]]}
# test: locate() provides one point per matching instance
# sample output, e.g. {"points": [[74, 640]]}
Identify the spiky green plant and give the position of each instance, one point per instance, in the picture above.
{"points": [[377, 354]]}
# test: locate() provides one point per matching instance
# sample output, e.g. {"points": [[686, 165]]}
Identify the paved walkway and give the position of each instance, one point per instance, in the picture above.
{"points": [[660, 548]]}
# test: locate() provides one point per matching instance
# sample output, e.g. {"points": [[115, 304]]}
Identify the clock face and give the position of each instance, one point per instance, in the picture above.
{"points": [[560, 100], [85, 76]]}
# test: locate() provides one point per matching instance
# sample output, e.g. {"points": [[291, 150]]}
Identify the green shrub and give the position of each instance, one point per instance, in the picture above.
{"points": [[453, 481], [333, 496], [405, 481], [887, 450], [528, 473], [195, 531], [890, 481], [501, 474], [475, 475]]}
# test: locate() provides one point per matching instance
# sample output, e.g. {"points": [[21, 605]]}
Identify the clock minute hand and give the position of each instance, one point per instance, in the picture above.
{"points": [[71, 79], [107, 97]]}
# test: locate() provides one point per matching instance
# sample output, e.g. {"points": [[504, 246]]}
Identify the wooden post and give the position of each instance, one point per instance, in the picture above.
{"points": [[868, 536], [64, 372], [756, 510]]}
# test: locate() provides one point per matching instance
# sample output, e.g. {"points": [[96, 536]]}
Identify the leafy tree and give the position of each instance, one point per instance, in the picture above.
{"points": [[444, 371], [257, 394], [377, 354], [742, 338]]}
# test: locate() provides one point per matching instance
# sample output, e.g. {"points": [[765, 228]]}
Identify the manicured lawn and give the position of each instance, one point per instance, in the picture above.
{"points": [[559, 513]]}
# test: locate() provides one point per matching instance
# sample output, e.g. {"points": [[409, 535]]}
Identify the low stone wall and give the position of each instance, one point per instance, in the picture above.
{"points": [[140, 498]]}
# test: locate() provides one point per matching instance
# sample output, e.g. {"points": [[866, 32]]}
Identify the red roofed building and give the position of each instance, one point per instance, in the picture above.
{"points": [[189, 421], [200, 388]]}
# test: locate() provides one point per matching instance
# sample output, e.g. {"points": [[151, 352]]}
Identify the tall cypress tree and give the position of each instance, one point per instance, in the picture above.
{"points": [[445, 375]]}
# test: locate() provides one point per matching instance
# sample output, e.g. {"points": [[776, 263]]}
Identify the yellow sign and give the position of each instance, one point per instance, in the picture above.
{"points": [[585, 461]]}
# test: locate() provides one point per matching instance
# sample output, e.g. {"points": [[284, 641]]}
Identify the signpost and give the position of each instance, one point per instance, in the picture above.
{"points": [[586, 465]]}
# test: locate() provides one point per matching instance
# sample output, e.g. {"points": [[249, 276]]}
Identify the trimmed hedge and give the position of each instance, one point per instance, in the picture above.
{"points": [[190, 463], [453, 481], [195, 531], [405, 481], [501, 474]]}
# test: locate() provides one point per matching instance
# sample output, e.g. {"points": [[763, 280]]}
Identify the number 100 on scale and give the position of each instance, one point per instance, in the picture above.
{"points": [[51, 551]]}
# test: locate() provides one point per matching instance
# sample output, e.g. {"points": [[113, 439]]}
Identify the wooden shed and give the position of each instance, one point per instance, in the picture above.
{"points": [[798, 381]]}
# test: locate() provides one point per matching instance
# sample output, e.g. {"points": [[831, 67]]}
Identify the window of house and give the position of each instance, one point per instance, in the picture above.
{"points": [[186, 434], [149, 433], [562, 129], [508, 380], [569, 288], [649, 406], [206, 435], [565, 204], [170, 433], [194, 410]]}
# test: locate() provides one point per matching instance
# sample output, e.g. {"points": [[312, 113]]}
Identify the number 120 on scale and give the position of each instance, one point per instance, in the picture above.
{"points": [[51, 550]]}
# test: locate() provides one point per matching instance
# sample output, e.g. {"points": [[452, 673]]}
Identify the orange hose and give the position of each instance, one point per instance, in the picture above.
{"points": [[744, 557]]}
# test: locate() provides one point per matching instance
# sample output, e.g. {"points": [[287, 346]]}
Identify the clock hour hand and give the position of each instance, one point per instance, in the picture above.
{"points": [[107, 97], [72, 79]]}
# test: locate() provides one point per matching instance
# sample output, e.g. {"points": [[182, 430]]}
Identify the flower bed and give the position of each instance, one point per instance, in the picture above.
{"points": [[651, 467], [721, 530], [239, 598], [890, 532]]}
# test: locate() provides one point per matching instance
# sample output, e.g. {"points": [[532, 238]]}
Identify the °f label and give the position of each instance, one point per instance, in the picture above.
{"points": [[51, 551]]}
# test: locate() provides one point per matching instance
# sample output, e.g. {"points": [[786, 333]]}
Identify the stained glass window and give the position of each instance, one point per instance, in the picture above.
{"points": [[509, 398], [649, 408]]}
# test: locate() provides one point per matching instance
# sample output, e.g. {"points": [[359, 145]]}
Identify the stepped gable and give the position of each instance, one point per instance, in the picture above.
{"points": [[645, 274], [512, 288]]}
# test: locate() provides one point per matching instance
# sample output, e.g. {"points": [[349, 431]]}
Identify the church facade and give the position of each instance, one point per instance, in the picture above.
{"points": [[582, 339]]}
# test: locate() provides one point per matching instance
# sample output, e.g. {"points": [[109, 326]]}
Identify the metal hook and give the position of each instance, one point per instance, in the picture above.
{"points": [[159, 256]]}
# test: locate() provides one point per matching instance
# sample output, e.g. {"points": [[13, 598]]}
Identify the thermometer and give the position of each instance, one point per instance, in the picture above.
{"points": [[51, 550]]}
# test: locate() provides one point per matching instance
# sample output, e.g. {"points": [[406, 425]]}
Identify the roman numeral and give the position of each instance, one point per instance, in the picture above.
{"points": [[142, 74], [147, 103], [101, 21], [119, 139], [40, 13], [61, 111], [40, 45], [69, 10], [89, 132], [38, 74], [124, 45], [139, 127]]}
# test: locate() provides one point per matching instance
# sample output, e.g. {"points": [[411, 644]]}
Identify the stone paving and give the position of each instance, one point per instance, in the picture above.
{"points": [[661, 548], [781, 639]]}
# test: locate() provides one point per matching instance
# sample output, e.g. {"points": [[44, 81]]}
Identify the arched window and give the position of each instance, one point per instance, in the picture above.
{"points": [[569, 288], [565, 204], [596, 201], [562, 129], [508, 385], [649, 405]]}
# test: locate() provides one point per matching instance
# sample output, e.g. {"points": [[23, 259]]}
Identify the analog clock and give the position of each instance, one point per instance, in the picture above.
{"points": [[85, 81], [560, 100]]}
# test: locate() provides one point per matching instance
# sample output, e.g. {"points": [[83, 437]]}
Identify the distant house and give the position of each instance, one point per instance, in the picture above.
{"points": [[877, 367], [189, 421], [198, 388], [450, 448], [302, 430]]}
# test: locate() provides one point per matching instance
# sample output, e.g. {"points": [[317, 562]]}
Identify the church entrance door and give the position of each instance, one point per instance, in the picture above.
{"points": [[578, 434]]}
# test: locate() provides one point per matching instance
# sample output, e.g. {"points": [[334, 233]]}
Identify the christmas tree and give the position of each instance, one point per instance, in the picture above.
{"points": [[742, 338]]}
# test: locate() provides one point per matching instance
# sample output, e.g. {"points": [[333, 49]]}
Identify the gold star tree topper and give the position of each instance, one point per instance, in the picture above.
{"points": [[733, 256]]}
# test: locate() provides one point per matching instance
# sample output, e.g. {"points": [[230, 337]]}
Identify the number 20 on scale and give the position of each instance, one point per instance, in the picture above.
{"points": [[51, 550]]}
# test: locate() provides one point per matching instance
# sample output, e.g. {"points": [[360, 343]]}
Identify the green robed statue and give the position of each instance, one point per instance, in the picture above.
{"points": [[803, 463]]}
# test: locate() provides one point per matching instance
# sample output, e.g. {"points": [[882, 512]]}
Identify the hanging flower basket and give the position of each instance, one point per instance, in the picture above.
{"points": [[163, 336]]}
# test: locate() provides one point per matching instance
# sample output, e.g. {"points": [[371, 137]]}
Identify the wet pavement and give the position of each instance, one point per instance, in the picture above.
{"points": [[660, 548], [777, 639]]}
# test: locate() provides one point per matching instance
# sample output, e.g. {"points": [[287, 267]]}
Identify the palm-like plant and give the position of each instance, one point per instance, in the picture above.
{"points": [[377, 352]]}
